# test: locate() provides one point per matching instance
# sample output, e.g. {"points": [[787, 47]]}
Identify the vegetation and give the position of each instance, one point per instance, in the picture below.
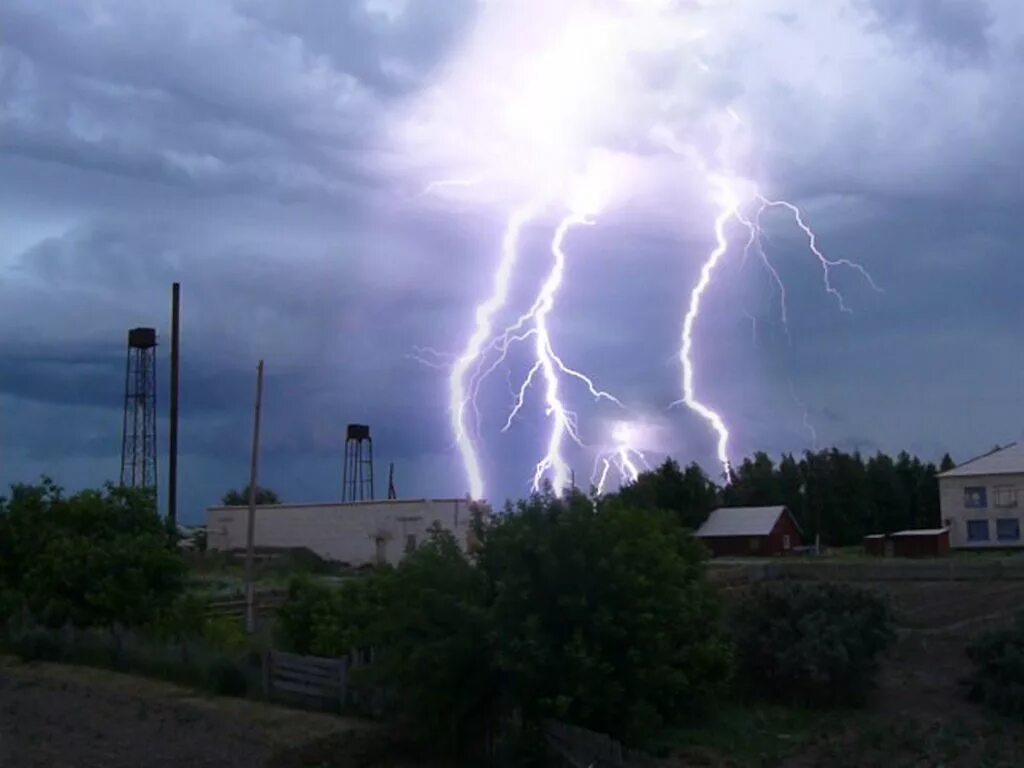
{"points": [[98, 558], [97, 578], [598, 616], [811, 644], [840, 495], [240, 498], [998, 677]]}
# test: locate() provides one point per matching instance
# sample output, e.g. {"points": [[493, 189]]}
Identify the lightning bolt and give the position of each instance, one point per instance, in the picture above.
{"points": [[731, 209], [459, 397], [624, 457]]}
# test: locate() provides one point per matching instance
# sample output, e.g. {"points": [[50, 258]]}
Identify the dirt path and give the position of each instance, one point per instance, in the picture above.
{"points": [[73, 717]]}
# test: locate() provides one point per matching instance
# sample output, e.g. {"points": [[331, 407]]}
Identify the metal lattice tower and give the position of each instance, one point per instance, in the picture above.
{"points": [[138, 436], [357, 473]]}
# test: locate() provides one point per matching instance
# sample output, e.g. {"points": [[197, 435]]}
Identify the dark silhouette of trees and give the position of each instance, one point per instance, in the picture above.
{"points": [[844, 494], [240, 498]]}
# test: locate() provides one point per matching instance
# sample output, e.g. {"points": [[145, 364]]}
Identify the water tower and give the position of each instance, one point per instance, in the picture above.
{"points": [[138, 435], [357, 473]]}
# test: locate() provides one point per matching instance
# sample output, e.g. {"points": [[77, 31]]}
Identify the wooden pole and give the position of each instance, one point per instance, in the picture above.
{"points": [[250, 588], [172, 459]]}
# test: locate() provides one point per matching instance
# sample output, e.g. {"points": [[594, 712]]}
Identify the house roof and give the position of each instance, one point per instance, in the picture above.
{"points": [[741, 521], [921, 532], [1005, 461]]}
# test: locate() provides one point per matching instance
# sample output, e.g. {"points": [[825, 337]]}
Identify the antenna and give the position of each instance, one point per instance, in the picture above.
{"points": [[391, 481]]}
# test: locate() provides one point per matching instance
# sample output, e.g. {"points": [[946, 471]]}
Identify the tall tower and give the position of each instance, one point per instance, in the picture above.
{"points": [[138, 436], [357, 473]]}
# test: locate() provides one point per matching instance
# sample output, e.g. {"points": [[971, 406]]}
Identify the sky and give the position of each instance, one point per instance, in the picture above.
{"points": [[276, 158]]}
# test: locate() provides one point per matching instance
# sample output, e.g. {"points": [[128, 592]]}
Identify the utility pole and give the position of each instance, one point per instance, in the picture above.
{"points": [[250, 588], [172, 458]]}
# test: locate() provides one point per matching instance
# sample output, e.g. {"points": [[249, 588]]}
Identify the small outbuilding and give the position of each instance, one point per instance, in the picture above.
{"points": [[876, 545], [750, 532], [925, 542]]}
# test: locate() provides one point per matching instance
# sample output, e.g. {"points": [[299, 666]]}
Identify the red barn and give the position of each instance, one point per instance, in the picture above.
{"points": [[750, 532]]}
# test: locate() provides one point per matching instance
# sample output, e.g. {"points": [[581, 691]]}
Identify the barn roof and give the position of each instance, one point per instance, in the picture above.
{"points": [[1004, 461], [741, 521], [921, 532]]}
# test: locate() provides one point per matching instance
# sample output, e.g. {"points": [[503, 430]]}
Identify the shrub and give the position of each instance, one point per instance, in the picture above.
{"points": [[812, 644], [998, 675], [97, 558], [227, 677], [603, 618]]}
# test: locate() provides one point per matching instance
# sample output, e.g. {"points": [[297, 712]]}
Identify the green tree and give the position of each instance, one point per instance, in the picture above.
{"points": [[947, 463], [603, 617], [264, 496], [688, 494], [97, 558]]}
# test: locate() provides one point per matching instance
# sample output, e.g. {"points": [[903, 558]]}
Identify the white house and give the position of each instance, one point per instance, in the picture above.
{"points": [[980, 500], [356, 533]]}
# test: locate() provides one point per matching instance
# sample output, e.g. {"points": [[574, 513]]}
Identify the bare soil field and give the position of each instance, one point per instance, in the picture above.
{"points": [[73, 717]]}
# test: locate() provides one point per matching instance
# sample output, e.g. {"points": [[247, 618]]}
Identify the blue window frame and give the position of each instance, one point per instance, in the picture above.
{"points": [[1008, 529], [977, 530], [976, 497]]}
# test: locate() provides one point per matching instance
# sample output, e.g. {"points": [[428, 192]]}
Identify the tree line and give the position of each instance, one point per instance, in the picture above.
{"points": [[840, 495]]}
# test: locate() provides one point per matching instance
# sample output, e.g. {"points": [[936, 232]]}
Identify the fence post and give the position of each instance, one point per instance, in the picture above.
{"points": [[268, 678], [343, 682]]}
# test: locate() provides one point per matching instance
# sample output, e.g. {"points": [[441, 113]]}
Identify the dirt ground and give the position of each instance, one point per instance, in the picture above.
{"points": [[73, 717]]}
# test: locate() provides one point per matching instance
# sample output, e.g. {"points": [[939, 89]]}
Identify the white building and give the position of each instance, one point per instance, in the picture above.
{"points": [[356, 533], [979, 499]]}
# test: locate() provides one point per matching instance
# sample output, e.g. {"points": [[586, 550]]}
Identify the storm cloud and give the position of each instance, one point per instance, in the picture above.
{"points": [[270, 155]]}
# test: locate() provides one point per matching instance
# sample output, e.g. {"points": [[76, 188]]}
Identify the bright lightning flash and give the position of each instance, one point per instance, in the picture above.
{"points": [[730, 209]]}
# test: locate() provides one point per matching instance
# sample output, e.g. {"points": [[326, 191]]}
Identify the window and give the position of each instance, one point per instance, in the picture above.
{"points": [[977, 530], [754, 544], [976, 497], [410, 542], [1006, 496], [1008, 529], [786, 544]]}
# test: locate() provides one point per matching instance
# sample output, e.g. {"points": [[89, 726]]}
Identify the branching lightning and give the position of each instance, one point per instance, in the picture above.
{"points": [[540, 136]]}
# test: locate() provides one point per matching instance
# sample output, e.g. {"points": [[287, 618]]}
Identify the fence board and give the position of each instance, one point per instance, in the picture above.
{"points": [[318, 680]]}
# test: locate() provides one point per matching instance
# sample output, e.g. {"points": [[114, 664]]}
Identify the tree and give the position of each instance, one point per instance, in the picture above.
{"points": [[98, 558], [603, 617], [947, 463], [688, 494], [264, 496]]}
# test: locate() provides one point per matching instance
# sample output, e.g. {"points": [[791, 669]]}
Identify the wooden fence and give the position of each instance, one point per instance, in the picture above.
{"points": [[577, 747], [320, 683], [267, 603]]}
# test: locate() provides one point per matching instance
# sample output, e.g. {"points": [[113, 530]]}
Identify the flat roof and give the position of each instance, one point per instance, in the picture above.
{"points": [[1008, 460], [366, 503], [921, 532]]}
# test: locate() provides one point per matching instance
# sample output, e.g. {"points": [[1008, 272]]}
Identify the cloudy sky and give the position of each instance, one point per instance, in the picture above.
{"points": [[272, 156]]}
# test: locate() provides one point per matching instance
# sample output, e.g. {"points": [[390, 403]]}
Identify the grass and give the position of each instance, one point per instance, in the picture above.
{"points": [[755, 734]]}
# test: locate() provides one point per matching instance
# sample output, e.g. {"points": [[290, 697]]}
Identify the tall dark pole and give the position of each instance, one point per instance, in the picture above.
{"points": [[250, 588], [172, 460]]}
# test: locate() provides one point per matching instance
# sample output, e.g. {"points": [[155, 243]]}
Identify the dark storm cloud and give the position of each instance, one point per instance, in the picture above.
{"points": [[236, 146], [957, 29]]}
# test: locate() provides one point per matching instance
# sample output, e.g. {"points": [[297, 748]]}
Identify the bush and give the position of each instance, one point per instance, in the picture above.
{"points": [[227, 677], [998, 676], [812, 644], [97, 558], [599, 617]]}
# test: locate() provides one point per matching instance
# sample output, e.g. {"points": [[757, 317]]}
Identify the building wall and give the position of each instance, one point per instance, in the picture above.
{"points": [[921, 546], [356, 533], [1002, 499], [757, 546]]}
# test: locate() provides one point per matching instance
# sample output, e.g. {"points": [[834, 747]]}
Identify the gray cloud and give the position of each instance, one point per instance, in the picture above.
{"points": [[240, 148]]}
